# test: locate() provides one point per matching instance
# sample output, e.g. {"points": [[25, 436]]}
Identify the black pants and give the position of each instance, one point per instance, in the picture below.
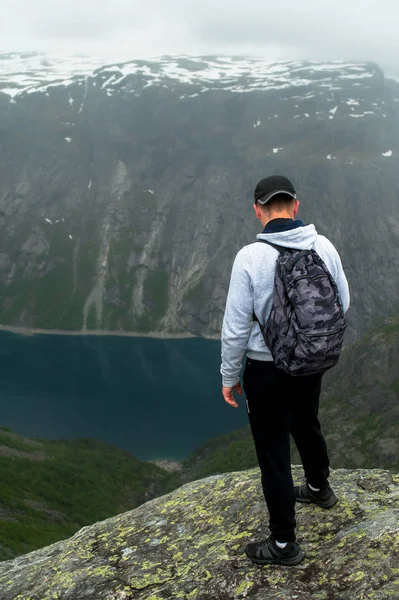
{"points": [[280, 404]]}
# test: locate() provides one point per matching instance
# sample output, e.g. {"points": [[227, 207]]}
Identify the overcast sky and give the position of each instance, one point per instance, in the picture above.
{"points": [[276, 29]]}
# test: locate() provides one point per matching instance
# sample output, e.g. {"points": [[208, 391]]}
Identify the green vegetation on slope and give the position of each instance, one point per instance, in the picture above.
{"points": [[233, 451], [49, 489]]}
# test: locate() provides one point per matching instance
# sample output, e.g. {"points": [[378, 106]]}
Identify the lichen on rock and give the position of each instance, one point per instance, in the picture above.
{"points": [[189, 544]]}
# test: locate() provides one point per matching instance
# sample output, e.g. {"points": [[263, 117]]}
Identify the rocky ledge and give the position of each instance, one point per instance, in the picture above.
{"points": [[189, 544]]}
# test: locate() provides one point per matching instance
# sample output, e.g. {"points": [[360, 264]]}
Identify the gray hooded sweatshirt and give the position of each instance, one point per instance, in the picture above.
{"points": [[251, 290]]}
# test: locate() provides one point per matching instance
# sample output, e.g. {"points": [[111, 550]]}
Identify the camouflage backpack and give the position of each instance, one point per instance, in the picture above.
{"points": [[306, 326]]}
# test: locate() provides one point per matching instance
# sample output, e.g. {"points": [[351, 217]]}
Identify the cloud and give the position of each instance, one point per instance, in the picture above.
{"points": [[288, 29]]}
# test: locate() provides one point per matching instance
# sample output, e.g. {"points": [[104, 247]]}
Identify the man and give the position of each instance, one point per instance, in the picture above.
{"points": [[277, 403]]}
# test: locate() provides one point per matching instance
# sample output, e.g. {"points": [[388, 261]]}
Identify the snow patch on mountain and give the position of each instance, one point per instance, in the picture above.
{"points": [[32, 72]]}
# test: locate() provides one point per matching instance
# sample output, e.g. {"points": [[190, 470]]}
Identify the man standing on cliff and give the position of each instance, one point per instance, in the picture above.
{"points": [[278, 403]]}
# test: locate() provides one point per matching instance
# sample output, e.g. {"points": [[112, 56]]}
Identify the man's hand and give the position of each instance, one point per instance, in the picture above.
{"points": [[229, 396]]}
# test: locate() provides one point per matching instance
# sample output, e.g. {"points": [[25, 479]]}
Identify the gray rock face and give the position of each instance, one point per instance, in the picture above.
{"points": [[189, 544], [126, 191]]}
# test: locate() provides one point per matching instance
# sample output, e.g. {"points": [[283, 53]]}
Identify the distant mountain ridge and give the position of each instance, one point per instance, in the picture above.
{"points": [[126, 189], [33, 72]]}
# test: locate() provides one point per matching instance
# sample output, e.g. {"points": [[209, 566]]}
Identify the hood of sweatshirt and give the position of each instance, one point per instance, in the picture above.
{"points": [[292, 234]]}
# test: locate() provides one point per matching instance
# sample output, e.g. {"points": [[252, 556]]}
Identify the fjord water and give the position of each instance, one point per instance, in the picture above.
{"points": [[156, 398]]}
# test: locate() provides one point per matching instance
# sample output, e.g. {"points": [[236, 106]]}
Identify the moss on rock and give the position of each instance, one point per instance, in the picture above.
{"points": [[189, 544]]}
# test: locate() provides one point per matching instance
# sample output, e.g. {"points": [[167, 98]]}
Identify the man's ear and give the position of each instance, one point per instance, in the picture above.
{"points": [[297, 203], [257, 210]]}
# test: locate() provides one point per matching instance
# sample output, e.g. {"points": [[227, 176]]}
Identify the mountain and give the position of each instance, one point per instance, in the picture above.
{"points": [[50, 489], [190, 544], [126, 189], [359, 412]]}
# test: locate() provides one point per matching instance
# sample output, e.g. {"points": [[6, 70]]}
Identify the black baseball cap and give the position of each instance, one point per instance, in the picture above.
{"points": [[275, 185]]}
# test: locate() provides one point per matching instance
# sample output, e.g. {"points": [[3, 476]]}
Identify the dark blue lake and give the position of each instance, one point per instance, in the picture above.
{"points": [[155, 398]]}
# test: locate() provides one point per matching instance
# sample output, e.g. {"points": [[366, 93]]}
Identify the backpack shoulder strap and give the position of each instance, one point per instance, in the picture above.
{"points": [[276, 246], [280, 249]]}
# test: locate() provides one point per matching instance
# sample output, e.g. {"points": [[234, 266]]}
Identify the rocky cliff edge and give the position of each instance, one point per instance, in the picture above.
{"points": [[189, 544]]}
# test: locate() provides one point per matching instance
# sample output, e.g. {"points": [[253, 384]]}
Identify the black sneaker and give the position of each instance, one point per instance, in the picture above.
{"points": [[324, 498], [268, 553]]}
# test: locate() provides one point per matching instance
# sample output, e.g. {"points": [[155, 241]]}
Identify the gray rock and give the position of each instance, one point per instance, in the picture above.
{"points": [[189, 544]]}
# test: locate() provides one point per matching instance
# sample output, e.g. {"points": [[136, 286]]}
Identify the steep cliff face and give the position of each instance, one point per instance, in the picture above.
{"points": [[126, 191], [189, 544]]}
